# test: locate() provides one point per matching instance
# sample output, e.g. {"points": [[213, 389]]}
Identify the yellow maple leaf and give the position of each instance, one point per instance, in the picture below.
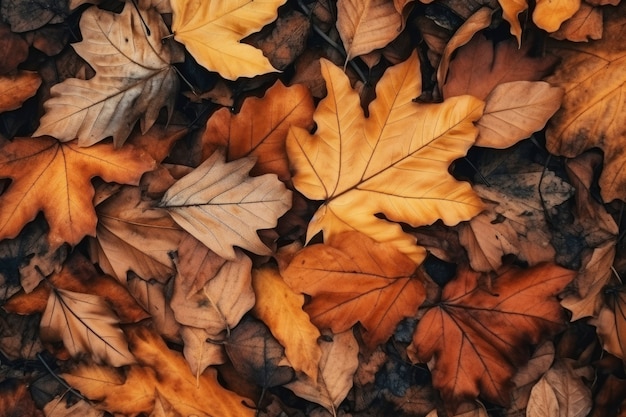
{"points": [[394, 162], [211, 31]]}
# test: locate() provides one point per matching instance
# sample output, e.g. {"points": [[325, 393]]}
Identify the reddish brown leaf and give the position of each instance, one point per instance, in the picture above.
{"points": [[476, 339], [14, 50], [15, 89]]}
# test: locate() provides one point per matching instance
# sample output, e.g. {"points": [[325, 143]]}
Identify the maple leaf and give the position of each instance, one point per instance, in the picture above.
{"points": [[134, 78], [476, 338], [56, 177], [354, 164], [281, 310], [367, 25], [15, 89], [211, 31], [260, 128], [591, 114], [222, 207], [351, 279], [86, 324], [160, 371]]}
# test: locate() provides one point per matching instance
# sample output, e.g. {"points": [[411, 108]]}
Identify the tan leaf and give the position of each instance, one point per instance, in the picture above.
{"points": [[418, 140], [86, 324], [211, 293], [151, 294], [199, 350], [221, 206], [337, 367], [353, 279], [527, 376], [211, 31], [543, 402], [611, 322], [515, 110], [260, 128], [585, 25], [573, 396], [365, 25], [15, 89], [281, 310], [59, 408], [134, 78]]}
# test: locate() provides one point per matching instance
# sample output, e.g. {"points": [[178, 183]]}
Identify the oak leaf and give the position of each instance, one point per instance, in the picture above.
{"points": [[86, 324], [367, 25], [475, 338], [336, 372], [221, 206], [351, 279], [281, 310], [591, 115], [160, 371], [55, 178], [210, 292], [134, 78], [15, 89], [260, 128], [211, 31], [354, 163]]}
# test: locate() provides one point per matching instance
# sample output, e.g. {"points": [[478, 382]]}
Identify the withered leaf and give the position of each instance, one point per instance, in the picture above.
{"points": [[15, 89]]}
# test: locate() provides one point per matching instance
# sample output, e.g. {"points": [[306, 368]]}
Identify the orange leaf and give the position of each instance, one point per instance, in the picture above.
{"points": [[281, 310], [15, 89], [56, 177], [476, 339], [260, 128], [354, 279]]}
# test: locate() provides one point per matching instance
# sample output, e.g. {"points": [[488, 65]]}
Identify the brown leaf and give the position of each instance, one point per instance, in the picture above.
{"points": [[475, 351], [15, 89], [16, 401], [543, 402], [585, 25], [590, 115], [58, 407], [281, 310], [611, 322], [154, 297], [200, 351], [160, 370], [210, 292], [572, 395], [26, 15], [480, 66], [527, 376], [353, 279], [260, 128], [35, 165], [15, 50]]}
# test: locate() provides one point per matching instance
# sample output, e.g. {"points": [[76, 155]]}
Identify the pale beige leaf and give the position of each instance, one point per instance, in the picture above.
{"points": [[220, 302], [337, 367], [221, 206], [515, 110], [86, 324], [199, 351], [476, 22], [134, 78], [573, 396], [543, 402], [281, 310], [366, 25], [211, 31]]}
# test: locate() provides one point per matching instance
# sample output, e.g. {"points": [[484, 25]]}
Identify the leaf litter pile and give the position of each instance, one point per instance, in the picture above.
{"points": [[312, 208]]}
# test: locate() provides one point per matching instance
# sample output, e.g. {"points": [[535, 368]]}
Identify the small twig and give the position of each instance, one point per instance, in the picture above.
{"points": [[477, 171]]}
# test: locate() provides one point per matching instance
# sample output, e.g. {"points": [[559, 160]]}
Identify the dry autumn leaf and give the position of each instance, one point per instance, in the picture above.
{"points": [[351, 279], [160, 371], [281, 310], [475, 338], [221, 206], [353, 163], [134, 78], [367, 25], [55, 178], [260, 128], [211, 31], [591, 114], [15, 89], [611, 322], [547, 14]]}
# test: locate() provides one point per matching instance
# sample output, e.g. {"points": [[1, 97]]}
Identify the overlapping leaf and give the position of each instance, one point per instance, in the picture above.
{"points": [[394, 162], [211, 31], [134, 78], [15, 89]]}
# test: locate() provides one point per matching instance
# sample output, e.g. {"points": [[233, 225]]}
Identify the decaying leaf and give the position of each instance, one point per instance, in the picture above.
{"points": [[475, 339], [211, 31], [281, 310], [160, 371], [15, 89], [260, 128], [336, 370], [354, 163], [221, 206], [54, 177], [351, 279], [134, 78], [86, 324]]}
